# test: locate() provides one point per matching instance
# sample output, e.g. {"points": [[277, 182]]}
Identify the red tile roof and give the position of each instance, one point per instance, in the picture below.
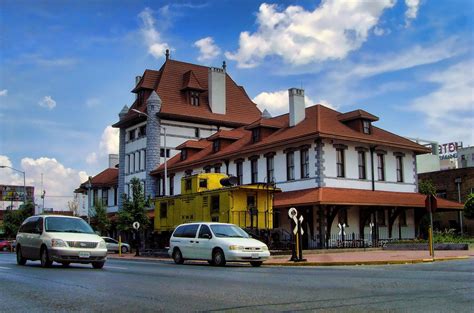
{"points": [[168, 82], [357, 114], [106, 178], [344, 196], [226, 134], [320, 122], [265, 122], [193, 144], [190, 81]]}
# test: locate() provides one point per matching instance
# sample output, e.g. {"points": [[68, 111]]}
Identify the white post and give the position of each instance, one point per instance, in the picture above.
{"points": [[166, 161]]}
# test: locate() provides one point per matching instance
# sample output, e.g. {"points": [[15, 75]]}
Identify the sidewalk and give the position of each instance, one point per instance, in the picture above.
{"points": [[328, 258]]}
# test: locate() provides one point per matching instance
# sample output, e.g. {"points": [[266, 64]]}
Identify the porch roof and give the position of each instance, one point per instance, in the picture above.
{"points": [[345, 196]]}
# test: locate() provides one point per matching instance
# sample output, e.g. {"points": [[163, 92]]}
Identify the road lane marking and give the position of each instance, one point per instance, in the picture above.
{"points": [[4, 268], [116, 267]]}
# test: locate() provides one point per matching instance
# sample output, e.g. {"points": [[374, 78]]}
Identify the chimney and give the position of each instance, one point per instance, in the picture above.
{"points": [[113, 160], [217, 90], [124, 112], [297, 106], [137, 80]]}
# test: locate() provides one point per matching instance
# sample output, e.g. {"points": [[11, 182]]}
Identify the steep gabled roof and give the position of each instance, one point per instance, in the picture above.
{"points": [[319, 122], [190, 81], [106, 178], [193, 144], [357, 114], [168, 83]]}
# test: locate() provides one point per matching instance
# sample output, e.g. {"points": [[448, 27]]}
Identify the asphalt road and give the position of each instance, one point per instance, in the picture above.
{"points": [[132, 286]]}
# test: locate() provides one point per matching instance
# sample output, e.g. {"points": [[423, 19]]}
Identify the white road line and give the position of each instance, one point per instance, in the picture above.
{"points": [[4, 268], [116, 267]]}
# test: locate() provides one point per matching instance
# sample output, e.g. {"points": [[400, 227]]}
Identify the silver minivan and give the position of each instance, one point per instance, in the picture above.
{"points": [[63, 239]]}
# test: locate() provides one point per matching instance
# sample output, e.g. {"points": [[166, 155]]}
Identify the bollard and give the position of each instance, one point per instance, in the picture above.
{"points": [[120, 246]]}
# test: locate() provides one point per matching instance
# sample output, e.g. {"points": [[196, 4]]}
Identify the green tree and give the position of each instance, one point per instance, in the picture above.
{"points": [[13, 218], [469, 207], [426, 187], [133, 210], [101, 221]]}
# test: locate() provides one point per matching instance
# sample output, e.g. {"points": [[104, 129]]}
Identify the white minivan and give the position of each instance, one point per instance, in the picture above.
{"points": [[63, 239], [217, 243]]}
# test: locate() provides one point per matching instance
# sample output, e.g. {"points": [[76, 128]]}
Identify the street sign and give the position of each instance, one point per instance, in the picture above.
{"points": [[431, 203], [342, 228], [292, 212], [301, 228], [136, 225], [371, 225]]}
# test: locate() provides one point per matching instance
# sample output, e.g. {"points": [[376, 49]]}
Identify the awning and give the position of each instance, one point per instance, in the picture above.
{"points": [[361, 197]]}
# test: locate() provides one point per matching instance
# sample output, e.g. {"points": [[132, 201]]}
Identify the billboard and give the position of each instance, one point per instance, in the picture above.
{"points": [[15, 193], [449, 150]]}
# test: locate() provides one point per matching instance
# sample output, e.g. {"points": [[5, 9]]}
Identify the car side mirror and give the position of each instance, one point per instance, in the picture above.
{"points": [[206, 236]]}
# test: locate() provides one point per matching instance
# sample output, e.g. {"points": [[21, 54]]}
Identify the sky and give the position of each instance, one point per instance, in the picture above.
{"points": [[67, 69]]}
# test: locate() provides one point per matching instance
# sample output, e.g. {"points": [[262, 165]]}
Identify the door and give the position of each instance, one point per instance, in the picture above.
{"points": [[203, 244], [26, 237], [187, 241], [111, 244], [35, 237]]}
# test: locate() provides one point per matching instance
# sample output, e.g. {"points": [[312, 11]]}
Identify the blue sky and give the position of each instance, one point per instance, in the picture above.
{"points": [[67, 68]]}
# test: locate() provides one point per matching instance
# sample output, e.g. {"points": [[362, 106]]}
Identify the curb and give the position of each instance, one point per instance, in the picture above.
{"points": [[381, 262]]}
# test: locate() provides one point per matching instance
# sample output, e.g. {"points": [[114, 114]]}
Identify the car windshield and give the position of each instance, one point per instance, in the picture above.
{"points": [[229, 231], [67, 225]]}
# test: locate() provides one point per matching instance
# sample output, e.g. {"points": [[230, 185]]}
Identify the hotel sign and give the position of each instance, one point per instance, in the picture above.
{"points": [[449, 150]]}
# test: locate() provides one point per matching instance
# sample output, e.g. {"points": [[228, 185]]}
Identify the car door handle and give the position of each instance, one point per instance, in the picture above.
{"points": [[197, 241], [191, 241]]}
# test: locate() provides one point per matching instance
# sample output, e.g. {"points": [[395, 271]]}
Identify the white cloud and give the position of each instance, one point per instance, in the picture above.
{"points": [[59, 182], [152, 37], [449, 109], [47, 102], [92, 102], [277, 102], [378, 31], [412, 10], [91, 158], [109, 142], [207, 48], [300, 37], [3, 92]]}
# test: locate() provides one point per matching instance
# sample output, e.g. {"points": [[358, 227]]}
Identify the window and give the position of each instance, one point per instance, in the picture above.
{"points": [[202, 183], [131, 134], [251, 203], [115, 196], [189, 231], [276, 218], [127, 164], [270, 169], [381, 166], [137, 161], [197, 132], [187, 183], [184, 154], [290, 165], [204, 230], [239, 172], [255, 135], [399, 168], [402, 218], [366, 126], [105, 197], [254, 170], [142, 131], [207, 169], [95, 197], [162, 153], [441, 194], [194, 97], [216, 145], [215, 204], [304, 156], [171, 185], [163, 210], [132, 163], [362, 171], [217, 169], [340, 162]]}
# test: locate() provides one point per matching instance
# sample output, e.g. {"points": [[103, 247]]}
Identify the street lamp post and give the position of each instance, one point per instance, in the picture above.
{"points": [[458, 182], [165, 155], [24, 180], [89, 186]]}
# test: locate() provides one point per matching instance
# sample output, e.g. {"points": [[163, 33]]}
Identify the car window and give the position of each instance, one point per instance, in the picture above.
{"points": [[38, 225], [228, 231], [109, 240], [204, 230], [29, 225], [186, 231], [67, 225]]}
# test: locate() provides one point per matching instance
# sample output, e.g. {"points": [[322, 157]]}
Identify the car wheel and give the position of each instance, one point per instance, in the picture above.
{"points": [[177, 256], [45, 261], [256, 263], [20, 260], [98, 265], [218, 257], [65, 264], [124, 249]]}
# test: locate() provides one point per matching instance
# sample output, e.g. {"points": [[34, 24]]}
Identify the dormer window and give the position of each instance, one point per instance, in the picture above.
{"points": [[255, 135], [366, 126], [194, 97], [184, 154], [216, 145]]}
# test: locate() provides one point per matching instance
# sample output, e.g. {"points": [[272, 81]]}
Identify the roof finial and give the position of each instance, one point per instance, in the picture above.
{"points": [[224, 66], [167, 54]]}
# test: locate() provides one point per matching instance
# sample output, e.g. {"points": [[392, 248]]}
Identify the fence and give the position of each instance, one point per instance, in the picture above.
{"points": [[353, 240]]}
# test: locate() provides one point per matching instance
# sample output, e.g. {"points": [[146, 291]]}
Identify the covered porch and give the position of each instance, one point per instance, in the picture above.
{"points": [[339, 217]]}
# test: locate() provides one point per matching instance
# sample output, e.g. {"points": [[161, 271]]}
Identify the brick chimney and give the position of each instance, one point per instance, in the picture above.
{"points": [[297, 106]]}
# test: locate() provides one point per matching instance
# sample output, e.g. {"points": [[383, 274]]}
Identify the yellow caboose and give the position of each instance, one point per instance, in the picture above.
{"points": [[213, 197]]}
